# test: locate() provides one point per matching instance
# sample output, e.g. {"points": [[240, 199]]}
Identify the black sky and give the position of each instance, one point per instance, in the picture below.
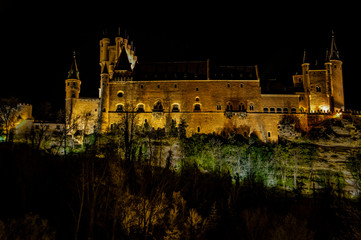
{"points": [[38, 38]]}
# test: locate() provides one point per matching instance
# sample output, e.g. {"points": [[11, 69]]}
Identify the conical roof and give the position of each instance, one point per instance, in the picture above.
{"points": [[123, 61], [73, 72]]}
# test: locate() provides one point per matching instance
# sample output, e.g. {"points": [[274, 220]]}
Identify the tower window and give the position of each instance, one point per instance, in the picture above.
{"points": [[219, 107], [120, 94], [198, 129], [318, 89], [197, 89], [269, 134], [228, 85]]}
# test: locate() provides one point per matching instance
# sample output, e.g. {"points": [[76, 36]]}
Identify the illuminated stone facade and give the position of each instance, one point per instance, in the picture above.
{"points": [[211, 99]]}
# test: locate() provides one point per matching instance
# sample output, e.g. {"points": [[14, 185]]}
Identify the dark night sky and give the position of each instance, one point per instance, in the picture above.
{"points": [[38, 38]]}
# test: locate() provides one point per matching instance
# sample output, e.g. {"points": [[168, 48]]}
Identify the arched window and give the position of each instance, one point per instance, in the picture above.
{"points": [[120, 94], [293, 110], [285, 110], [229, 107], [119, 108], [140, 108], [158, 107], [242, 108], [175, 108], [279, 110], [197, 107], [318, 89], [265, 110]]}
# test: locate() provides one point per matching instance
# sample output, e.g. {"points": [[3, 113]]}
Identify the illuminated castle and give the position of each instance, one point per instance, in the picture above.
{"points": [[211, 99]]}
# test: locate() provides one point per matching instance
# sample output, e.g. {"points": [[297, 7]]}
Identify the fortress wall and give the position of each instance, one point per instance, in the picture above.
{"points": [[280, 101], [87, 109], [185, 93]]}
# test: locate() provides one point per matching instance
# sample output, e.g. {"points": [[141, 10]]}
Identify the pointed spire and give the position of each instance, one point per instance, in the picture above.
{"points": [[304, 55], [105, 69], [334, 54], [123, 61], [73, 72]]}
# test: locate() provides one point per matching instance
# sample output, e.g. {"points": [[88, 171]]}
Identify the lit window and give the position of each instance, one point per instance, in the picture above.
{"points": [[197, 107]]}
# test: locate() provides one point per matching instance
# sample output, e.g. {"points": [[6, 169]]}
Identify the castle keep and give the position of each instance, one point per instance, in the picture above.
{"points": [[211, 99]]}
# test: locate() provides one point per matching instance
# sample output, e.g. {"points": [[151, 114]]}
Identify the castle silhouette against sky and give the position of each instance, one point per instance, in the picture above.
{"points": [[211, 99]]}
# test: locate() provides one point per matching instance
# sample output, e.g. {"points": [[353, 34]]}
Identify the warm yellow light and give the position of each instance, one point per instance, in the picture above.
{"points": [[325, 108]]}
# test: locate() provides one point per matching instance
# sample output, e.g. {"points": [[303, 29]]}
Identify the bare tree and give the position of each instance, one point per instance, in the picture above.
{"points": [[8, 116]]}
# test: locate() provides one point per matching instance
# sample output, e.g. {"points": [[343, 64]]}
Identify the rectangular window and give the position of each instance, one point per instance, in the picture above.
{"points": [[269, 134], [219, 107]]}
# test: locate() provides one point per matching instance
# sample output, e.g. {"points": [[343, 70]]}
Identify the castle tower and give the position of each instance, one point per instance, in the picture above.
{"points": [[104, 99], [335, 79], [72, 89], [123, 68]]}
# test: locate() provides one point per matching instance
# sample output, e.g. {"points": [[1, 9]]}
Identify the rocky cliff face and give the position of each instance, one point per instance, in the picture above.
{"points": [[337, 141]]}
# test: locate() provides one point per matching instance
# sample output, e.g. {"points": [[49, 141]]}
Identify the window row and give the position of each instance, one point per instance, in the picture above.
{"points": [[158, 107], [278, 110]]}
